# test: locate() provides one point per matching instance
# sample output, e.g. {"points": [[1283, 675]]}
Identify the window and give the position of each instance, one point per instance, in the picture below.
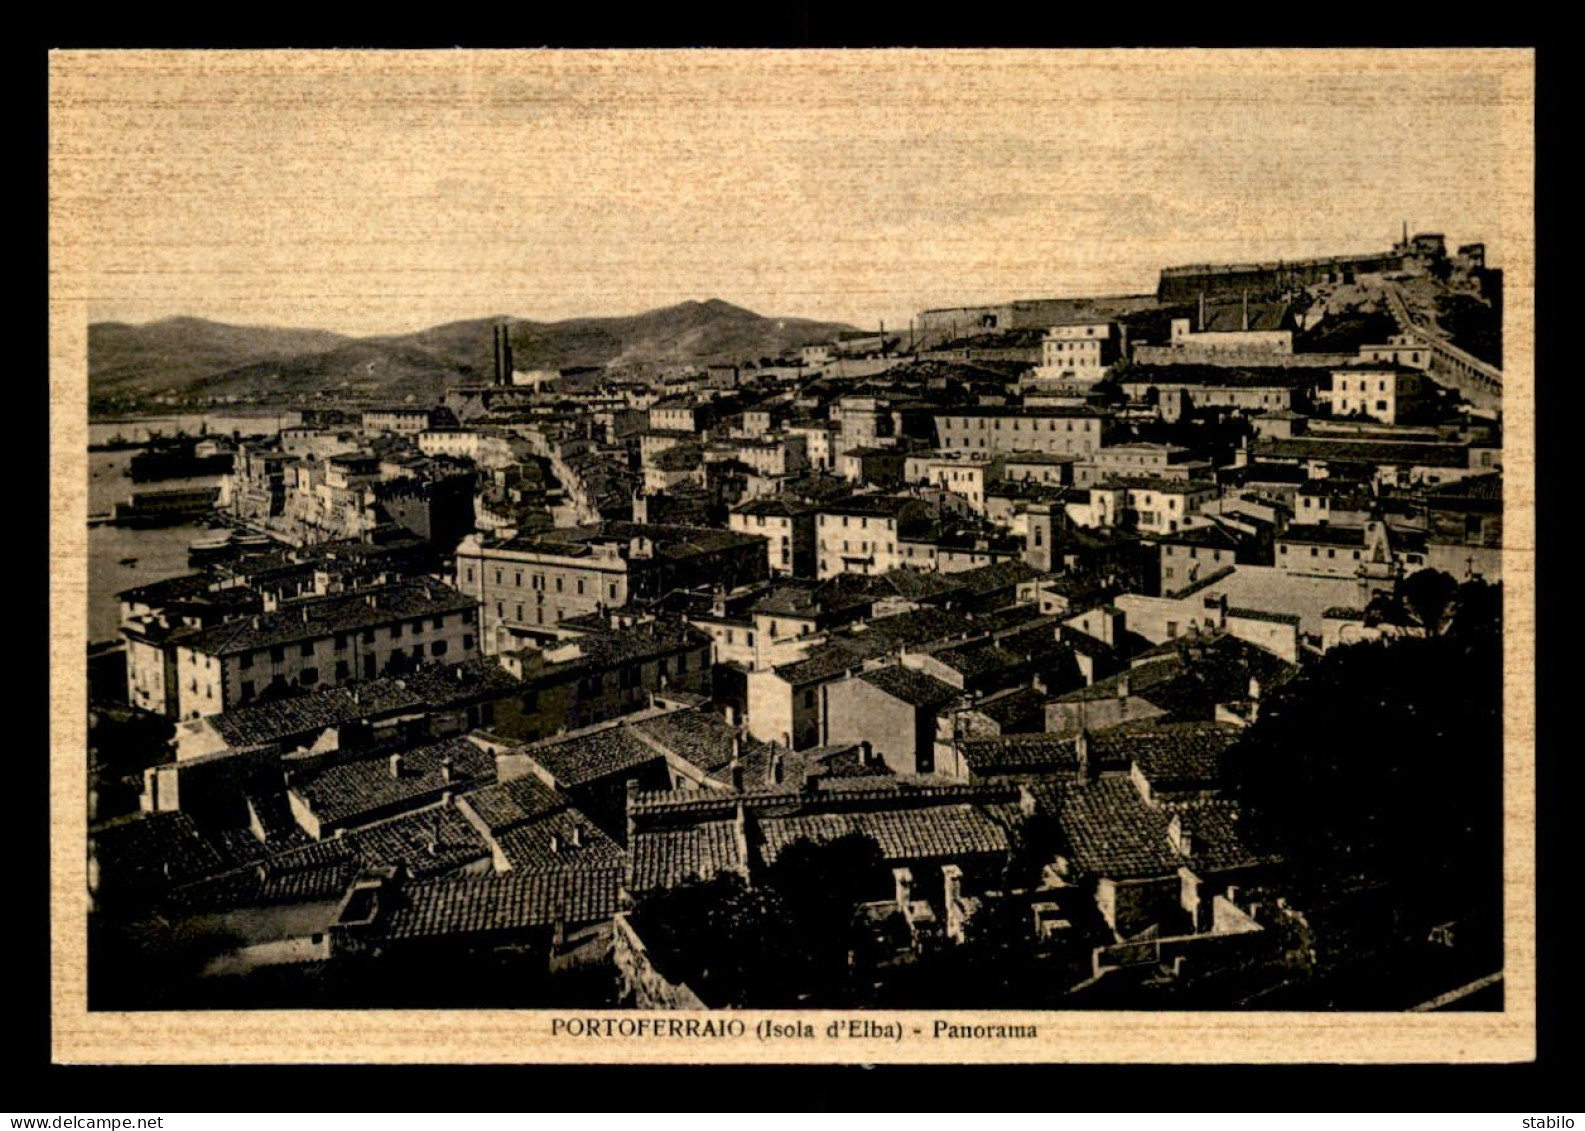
{"points": [[1172, 628], [613, 591], [368, 636], [470, 573], [246, 662], [341, 641], [558, 585], [278, 654], [809, 698], [500, 610], [309, 677], [498, 577], [519, 612], [418, 651], [517, 579], [439, 648], [467, 643]]}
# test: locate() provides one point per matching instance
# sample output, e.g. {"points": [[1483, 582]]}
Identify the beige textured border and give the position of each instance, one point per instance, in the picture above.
{"points": [[506, 1036]]}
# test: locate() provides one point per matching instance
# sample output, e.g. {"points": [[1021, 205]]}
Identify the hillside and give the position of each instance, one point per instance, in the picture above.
{"points": [[192, 357], [177, 352]]}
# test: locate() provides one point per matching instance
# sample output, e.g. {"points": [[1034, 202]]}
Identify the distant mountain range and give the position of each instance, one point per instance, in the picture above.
{"points": [[191, 356]]}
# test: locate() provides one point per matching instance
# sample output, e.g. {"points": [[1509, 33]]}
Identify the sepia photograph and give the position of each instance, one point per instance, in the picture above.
{"points": [[792, 555]]}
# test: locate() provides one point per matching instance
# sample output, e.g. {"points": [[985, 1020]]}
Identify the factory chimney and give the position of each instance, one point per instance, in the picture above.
{"points": [[503, 355]]}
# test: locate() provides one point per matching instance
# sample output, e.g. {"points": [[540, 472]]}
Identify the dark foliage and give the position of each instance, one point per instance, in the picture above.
{"points": [[781, 942], [1380, 769]]}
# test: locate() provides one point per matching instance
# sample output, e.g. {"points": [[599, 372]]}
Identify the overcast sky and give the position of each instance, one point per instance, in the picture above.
{"points": [[365, 195]]}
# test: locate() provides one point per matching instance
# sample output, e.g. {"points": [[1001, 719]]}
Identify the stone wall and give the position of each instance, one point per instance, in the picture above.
{"points": [[647, 986]]}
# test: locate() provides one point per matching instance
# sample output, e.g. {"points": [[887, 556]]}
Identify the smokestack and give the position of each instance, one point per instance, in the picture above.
{"points": [[737, 776], [1246, 308], [776, 772], [447, 769], [396, 765], [577, 836], [1081, 749], [1202, 312]]}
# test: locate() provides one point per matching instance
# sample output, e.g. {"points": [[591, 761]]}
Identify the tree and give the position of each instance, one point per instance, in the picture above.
{"points": [[1430, 602], [729, 942], [783, 941], [1382, 765]]}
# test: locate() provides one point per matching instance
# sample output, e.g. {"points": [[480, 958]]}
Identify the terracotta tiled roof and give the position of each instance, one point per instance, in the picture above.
{"points": [[523, 815], [344, 793], [153, 850], [577, 761], [914, 688], [1216, 840], [322, 870], [702, 738], [1174, 755], [1020, 753], [507, 903], [280, 719], [1013, 708], [1112, 833], [667, 856], [324, 616], [913, 833]]}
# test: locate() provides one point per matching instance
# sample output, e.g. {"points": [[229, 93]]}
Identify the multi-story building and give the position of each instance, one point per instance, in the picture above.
{"points": [[768, 455], [599, 676], [1160, 461], [821, 437], [1153, 506], [1242, 327], [317, 642], [1082, 351], [679, 414], [1399, 349], [403, 420], [1374, 551], [1177, 390], [1387, 392], [321, 443], [789, 528], [862, 534], [997, 429], [259, 482], [958, 472], [1038, 467], [528, 584]]}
